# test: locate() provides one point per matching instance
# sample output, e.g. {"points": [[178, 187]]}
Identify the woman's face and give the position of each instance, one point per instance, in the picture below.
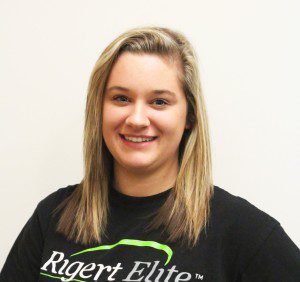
{"points": [[143, 97]]}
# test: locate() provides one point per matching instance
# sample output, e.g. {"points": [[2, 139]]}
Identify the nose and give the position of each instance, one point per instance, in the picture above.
{"points": [[137, 117]]}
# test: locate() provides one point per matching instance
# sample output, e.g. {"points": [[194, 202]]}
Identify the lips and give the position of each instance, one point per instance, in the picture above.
{"points": [[137, 145], [142, 136]]}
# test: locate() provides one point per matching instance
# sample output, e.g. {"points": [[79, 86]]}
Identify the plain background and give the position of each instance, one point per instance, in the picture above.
{"points": [[249, 64]]}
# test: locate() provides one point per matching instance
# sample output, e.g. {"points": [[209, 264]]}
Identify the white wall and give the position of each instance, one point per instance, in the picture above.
{"points": [[249, 59]]}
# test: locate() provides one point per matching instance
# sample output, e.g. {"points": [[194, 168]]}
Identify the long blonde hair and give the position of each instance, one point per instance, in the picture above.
{"points": [[186, 211]]}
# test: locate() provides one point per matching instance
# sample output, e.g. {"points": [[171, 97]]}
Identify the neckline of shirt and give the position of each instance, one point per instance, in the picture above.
{"points": [[120, 199]]}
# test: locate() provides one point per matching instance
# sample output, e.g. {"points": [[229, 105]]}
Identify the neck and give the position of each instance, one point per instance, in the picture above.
{"points": [[145, 184]]}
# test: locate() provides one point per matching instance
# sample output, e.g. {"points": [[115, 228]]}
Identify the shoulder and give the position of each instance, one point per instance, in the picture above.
{"points": [[57, 196], [240, 226], [238, 210], [261, 248], [52, 200], [235, 214], [47, 205]]}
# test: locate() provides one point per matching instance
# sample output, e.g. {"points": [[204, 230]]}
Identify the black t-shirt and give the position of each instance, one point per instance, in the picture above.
{"points": [[242, 243]]}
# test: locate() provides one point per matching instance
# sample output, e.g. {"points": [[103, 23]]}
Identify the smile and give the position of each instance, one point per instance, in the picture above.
{"points": [[137, 142]]}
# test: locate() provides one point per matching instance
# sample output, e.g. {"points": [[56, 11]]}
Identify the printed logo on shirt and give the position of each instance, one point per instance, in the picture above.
{"points": [[61, 268]]}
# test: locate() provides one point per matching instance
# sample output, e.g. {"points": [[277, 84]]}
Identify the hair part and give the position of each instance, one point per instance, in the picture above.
{"points": [[186, 211]]}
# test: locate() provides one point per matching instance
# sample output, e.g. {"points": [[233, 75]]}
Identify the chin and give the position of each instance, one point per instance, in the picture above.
{"points": [[138, 165]]}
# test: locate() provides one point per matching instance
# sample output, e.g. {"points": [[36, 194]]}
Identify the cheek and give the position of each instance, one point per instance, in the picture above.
{"points": [[172, 123], [111, 117]]}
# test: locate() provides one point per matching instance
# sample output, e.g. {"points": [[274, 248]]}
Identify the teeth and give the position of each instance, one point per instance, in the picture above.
{"points": [[139, 139]]}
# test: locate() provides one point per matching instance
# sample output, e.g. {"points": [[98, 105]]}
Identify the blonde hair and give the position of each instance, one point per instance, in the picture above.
{"points": [[186, 211]]}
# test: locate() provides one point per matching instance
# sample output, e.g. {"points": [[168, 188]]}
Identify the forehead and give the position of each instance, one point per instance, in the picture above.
{"points": [[144, 71]]}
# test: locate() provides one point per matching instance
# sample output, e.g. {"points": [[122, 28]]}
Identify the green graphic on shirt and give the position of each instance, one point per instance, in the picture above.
{"points": [[60, 278], [133, 242]]}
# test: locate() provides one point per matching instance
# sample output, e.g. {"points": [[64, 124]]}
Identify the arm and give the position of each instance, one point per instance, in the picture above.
{"points": [[278, 259], [24, 258]]}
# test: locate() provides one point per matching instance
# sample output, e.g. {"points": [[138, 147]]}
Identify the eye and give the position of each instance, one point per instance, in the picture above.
{"points": [[120, 96], [164, 102]]}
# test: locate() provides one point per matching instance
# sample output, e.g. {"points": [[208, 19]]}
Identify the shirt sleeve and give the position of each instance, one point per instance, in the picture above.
{"points": [[24, 259], [278, 259]]}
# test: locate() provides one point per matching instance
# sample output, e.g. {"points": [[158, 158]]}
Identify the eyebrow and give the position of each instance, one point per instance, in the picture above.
{"points": [[156, 91]]}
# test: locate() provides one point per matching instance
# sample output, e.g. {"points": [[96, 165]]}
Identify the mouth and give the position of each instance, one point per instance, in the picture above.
{"points": [[123, 137], [137, 145]]}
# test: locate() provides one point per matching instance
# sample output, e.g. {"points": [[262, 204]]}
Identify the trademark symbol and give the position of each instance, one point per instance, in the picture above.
{"points": [[199, 276]]}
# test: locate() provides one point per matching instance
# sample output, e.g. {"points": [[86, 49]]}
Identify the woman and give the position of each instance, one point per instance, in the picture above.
{"points": [[147, 209]]}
